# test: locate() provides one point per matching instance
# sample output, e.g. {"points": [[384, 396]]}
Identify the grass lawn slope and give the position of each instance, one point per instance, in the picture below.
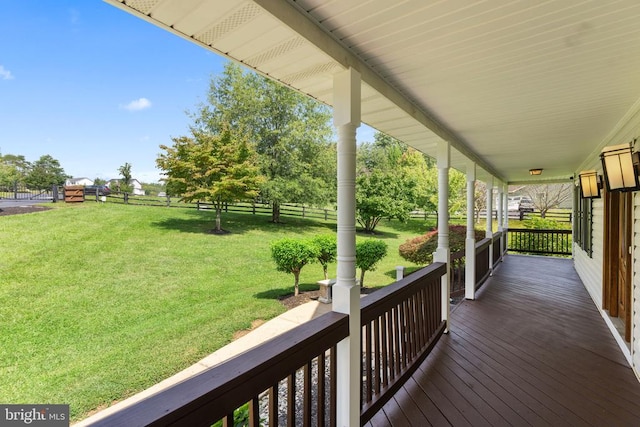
{"points": [[99, 301]]}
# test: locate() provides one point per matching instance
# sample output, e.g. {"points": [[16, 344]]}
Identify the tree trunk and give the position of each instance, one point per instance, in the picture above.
{"points": [[218, 225], [275, 212], [326, 274], [362, 270], [296, 275]]}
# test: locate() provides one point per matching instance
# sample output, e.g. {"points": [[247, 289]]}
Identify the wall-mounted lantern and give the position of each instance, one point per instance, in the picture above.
{"points": [[590, 184], [620, 165]]}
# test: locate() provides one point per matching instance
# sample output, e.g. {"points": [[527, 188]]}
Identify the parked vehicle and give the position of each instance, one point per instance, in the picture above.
{"points": [[520, 203], [100, 190]]}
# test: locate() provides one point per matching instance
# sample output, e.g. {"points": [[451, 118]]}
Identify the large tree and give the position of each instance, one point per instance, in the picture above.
{"points": [[125, 182], [291, 134], [390, 182], [13, 169], [217, 168], [45, 172], [548, 196]]}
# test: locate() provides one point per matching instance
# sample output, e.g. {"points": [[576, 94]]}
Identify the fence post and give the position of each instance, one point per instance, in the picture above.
{"points": [[302, 211], [126, 198], [253, 206], [168, 200], [326, 214]]}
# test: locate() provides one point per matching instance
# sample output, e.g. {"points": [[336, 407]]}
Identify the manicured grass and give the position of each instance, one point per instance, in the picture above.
{"points": [[99, 301]]}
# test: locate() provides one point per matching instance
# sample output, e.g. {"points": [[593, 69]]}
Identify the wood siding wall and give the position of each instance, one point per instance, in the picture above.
{"points": [[590, 269]]}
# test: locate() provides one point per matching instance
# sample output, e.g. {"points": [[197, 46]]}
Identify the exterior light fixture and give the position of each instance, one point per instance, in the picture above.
{"points": [[535, 171], [590, 184], [620, 165]]}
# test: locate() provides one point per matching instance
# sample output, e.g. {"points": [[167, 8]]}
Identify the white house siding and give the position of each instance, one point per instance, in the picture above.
{"points": [[590, 268]]}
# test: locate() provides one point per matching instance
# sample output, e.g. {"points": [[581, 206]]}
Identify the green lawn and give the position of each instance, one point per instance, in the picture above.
{"points": [[99, 301]]}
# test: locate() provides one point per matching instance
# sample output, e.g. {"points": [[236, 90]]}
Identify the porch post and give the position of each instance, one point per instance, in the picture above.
{"points": [[505, 220], [443, 253], [500, 215], [470, 242], [489, 229], [346, 293]]}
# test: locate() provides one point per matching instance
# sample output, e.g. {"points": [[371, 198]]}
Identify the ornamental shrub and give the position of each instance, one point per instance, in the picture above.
{"points": [[419, 250], [368, 253], [327, 250], [290, 255]]}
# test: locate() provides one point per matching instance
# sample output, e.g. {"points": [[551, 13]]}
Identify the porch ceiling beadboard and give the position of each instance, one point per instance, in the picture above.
{"points": [[512, 85]]}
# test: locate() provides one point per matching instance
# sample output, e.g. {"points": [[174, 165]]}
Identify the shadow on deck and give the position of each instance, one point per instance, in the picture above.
{"points": [[532, 349]]}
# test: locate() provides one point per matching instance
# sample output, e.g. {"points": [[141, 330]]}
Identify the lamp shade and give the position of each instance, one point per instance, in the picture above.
{"points": [[619, 168], [590, 185]]}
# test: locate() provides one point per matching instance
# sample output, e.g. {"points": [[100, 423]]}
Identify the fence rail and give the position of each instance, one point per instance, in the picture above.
{"points": [[552, 242]]}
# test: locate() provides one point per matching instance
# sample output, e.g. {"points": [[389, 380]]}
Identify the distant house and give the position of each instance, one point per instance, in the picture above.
{"points": [[79, 181], [114, 184]]}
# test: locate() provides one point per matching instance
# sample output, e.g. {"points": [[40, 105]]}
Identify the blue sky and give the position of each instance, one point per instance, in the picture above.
{"points": [[95, 87]]}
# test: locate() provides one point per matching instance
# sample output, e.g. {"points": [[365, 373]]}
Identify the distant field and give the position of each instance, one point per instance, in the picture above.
{"points": [[99, 301]]}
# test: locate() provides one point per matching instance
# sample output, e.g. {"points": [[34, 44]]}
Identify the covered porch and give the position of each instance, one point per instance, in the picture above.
{"points": [[492, 89], [532, 349]]}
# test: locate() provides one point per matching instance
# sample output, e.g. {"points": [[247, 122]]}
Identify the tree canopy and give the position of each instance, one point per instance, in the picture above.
{"points": [[13, 169], [390, 179], [44, 173], [218, 168], [290, 132]]}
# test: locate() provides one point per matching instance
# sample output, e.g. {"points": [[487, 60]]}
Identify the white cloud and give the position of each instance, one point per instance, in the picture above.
{"points": [[5, 74], [137, 105]]}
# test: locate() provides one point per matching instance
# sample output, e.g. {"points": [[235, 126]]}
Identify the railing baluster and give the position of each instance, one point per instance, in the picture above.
{"points": [[254, 412], [321, 398], [273, 405], [291, 400], [376, 351], [333, 385], [367, 384], [306, 402], [385, 349]]}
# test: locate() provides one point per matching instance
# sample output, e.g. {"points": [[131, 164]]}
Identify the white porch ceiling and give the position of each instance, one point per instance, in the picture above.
{"points": [[513, 85]]}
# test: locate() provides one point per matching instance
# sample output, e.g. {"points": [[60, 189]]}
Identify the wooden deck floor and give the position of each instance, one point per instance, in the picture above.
{"points": [[531, 350]]}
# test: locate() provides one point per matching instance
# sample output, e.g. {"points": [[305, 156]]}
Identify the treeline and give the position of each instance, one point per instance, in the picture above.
{"points": [[39, 175]]}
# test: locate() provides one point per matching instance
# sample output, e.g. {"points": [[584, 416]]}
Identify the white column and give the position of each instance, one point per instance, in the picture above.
{"points": [[505, 220], [489, 230], [470, 242], [346, 293], [443, 252], [499, 206], [500, 214]]}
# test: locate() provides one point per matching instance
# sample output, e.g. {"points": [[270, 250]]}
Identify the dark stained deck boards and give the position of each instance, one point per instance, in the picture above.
{"points": [[532, 349]]}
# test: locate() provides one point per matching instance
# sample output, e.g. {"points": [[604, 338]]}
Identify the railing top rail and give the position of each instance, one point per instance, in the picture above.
{"points": [[217, 391], [390, 295], [480, 245], [497, 235], [535, 230]]}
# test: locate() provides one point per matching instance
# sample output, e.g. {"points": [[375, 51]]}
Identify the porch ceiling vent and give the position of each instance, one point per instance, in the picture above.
{"points": [[590, 184], [620, 165]]}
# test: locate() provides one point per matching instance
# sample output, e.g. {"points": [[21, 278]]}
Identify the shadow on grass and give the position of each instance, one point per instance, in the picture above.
{"points": [[284, 292], [202, 222]]}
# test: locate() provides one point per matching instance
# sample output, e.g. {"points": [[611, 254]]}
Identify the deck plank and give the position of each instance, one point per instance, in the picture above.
{"points": [[532, 349]]}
